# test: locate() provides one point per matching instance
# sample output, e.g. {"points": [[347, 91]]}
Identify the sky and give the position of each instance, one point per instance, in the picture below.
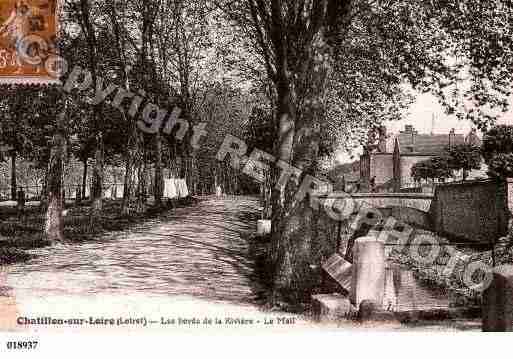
{"points": [[421, 115]]}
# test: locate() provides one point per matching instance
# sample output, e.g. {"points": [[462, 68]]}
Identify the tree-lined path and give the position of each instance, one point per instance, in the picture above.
{"points": [[198, 251], [194, 261]]}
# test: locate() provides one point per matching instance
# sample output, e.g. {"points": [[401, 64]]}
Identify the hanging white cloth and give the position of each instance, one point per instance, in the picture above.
{"points": [[120, 190], [184, 191], [170, 190], [179, 186]]}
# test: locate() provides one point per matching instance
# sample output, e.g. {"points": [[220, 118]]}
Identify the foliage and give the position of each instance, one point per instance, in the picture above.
{"points": [[497, 150], [501, 165], [433, 168], [260, 130], [497, 140], [464, 157]]}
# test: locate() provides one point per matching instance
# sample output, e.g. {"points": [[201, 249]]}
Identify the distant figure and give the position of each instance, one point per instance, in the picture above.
{"points": [[219, 191]]}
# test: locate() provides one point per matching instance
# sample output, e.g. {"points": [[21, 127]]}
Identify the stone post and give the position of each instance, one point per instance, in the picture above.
{"points": [[368, 282], [498, 301]]}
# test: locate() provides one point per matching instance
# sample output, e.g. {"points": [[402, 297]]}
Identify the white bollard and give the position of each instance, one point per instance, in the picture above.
{"points": [[368, 282], [263, 227]]}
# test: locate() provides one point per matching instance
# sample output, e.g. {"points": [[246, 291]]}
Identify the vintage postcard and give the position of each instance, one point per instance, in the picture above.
{"points": [[254, 167], [28, 32]]}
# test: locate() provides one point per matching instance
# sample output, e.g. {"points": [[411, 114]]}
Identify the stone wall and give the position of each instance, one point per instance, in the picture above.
{"points": [[476, 211]]}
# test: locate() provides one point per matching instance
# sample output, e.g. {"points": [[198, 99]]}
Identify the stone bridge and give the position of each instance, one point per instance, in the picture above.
{"points": [[419, 201], [411, 208]]}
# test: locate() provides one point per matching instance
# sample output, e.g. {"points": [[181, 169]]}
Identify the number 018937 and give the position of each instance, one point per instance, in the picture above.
{"points": [[22, 345]]}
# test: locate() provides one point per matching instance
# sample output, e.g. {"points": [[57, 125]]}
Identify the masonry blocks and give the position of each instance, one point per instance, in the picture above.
{"points": [[330, 307]]}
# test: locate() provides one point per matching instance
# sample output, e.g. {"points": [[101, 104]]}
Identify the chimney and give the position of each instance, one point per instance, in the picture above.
{"points": [[410, 130], [452, 137]]}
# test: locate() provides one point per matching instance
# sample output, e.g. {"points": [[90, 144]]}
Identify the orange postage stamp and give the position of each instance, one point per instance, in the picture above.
{"points": [[28, 32]]}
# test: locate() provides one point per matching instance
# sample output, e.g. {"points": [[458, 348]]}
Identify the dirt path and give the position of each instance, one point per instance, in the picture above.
{"points": [[192, 264]]}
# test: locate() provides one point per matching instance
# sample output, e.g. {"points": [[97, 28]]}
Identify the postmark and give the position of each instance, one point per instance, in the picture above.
{"points": [[28, 34]]}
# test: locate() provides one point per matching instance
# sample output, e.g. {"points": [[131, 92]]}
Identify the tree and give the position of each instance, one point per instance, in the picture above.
{"points": [[260, 134], [301, 43], [85, 15], [497, 150], [465, 157], [15, 131], [54, 228], [500, 166], [433, 168], [498, 139]]}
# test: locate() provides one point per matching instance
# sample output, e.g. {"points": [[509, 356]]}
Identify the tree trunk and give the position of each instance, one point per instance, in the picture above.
{"points": [[14, 185], [84, 180], [54, 228], [142, 177], [299, 138], [280, 253], [266, 188], [44, 190], [97, 185], [127, 185], [159, 176]]}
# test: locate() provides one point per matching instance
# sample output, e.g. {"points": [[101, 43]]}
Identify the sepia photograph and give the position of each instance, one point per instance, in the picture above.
{"points": [[303, 168]]}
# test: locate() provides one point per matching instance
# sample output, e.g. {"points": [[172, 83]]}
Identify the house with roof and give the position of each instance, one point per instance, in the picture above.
{"points": [[387, 166]]}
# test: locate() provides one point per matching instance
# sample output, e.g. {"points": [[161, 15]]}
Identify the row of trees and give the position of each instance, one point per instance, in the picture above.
{"points": [[164, 49], [496, 152], [324, 71], [462, 157]]}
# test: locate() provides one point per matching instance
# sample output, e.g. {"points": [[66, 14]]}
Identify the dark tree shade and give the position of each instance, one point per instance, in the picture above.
{"points": [[497, 150]]}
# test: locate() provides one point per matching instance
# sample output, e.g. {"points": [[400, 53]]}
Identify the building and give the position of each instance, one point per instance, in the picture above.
{"points": [[386, 167]]}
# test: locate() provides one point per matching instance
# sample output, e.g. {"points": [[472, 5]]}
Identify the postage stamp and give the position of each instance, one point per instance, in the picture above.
{"points": [[28, 32]]}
